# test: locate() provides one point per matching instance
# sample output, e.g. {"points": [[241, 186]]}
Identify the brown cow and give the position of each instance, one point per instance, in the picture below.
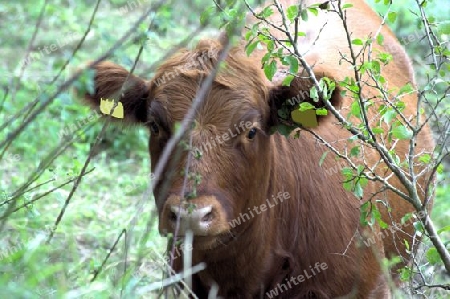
{"points": [[267, 219]]}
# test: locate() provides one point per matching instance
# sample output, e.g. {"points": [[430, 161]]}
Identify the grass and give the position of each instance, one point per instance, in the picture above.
{"points": [[107, 199]]}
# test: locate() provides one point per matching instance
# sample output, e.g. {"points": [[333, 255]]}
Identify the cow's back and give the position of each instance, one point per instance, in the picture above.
{"points": [[325, 52]]}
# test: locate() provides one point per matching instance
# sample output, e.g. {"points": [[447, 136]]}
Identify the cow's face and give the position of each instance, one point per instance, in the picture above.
{"points": [[227, 150], [222, 166]]}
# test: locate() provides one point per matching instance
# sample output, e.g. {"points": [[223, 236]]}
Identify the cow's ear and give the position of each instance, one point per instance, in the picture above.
{"points": [[285, 99], [110, 85]]}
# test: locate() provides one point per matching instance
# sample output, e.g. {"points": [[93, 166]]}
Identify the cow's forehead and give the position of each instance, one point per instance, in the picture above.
{"points": [[221, 107], [238, 88]]}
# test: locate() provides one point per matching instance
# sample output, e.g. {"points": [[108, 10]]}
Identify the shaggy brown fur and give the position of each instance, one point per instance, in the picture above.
{"points": [[320, 220]]}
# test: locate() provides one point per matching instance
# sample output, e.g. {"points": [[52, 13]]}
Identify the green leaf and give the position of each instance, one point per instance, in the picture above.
{"points": [[284, 130], [265, 58], [378, 130], [270, 45], [305, 106], [380, 39], [444, 229], [405, 274], [263, 38], [287, 80], [433, 256], [376, 69], [440, 169], [418, 226], [354, 152], [323, 86], [406, 244], [292, 12], [321, 111], [293, 64], [314, 11], [313, 94], [300, 33], [324, 155], [206, 15], [328, 86], [266, 12], [389, 116], [402, 133], [406, 89], [251, 47], [392, 16], [356, 111], [348, 5], [270, 69], [248, 34], [306, 118], [347, 172], [385, 57], [383, 224], [425, 158], [304, 15], [357, 42], [347, 186], [359, 192], [377, 215], [365, 207]]}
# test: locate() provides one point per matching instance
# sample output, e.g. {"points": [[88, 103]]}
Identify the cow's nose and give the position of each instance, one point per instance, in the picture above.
{"points": [[198, 219], [204, 216]]}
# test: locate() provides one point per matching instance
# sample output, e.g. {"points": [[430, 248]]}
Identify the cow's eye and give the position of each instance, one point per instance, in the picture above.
{"points": [[252, 133], [154, 127]]}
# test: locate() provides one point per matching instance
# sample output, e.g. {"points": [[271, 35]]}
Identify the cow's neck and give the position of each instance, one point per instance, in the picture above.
{"points": [[268, 238], [256, 246]]}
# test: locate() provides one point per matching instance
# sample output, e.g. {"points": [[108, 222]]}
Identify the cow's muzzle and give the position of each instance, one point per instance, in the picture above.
{"points": [[203, 216]]}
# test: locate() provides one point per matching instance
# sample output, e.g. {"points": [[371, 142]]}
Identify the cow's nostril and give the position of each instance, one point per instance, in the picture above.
{"points": [[208, 217]]}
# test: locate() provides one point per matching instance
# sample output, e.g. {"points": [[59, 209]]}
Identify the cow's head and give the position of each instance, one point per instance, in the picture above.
{"points": [[231, 148]]}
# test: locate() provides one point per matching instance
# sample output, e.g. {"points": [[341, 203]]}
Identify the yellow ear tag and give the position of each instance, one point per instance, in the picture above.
{"points": [[106, 106], [307, 118]]}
